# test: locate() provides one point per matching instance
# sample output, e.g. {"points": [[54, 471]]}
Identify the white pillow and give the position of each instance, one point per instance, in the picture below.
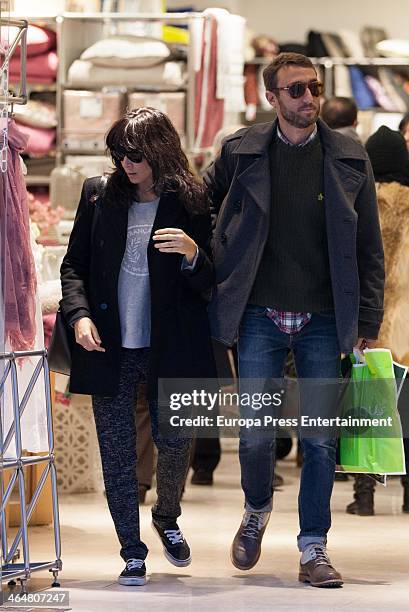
{"points": [[393, 47], [168, 76], [127, 52], [36, 114]]}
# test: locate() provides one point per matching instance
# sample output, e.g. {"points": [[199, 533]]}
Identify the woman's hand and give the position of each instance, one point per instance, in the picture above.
{"points": [[86, 334], [175, 241]]}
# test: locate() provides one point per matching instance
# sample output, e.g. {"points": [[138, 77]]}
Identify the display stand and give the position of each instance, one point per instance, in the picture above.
{"points": [[16, 462], [23, 571]]}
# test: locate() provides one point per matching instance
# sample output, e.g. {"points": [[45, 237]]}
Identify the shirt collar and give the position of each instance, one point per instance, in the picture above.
{"points": [[284, 139]]}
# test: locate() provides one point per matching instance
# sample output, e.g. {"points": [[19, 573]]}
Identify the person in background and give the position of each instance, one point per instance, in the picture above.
{"points": [[389, 158], [404, 129], [341, 114], [206, 452], [299, 266], [133, 279]]}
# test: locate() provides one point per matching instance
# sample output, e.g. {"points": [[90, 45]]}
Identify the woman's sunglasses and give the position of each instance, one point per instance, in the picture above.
{"points": [[134, 156], [296, 90]]}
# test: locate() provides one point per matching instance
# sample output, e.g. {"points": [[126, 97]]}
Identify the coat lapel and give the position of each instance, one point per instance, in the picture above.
{"points": [[344, 168], [255, 179], [254, 164], [115, 221], [168, 213]]}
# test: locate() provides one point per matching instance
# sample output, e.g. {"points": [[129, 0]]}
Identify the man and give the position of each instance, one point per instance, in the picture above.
{"points": [[299, 265], [341, 114]]}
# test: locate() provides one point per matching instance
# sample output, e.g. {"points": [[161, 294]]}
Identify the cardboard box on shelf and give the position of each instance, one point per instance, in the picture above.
{"points": [[88, 115], [173, 104]]}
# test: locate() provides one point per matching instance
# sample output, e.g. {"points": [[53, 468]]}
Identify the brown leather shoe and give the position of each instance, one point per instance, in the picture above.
{"points": [[246, 548], [317, 570]]}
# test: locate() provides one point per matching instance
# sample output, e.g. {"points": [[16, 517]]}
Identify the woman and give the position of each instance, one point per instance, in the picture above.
{"points": [[133, 281], [390, 163]]}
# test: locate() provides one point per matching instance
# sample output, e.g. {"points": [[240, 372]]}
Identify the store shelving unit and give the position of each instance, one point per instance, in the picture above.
{"points": [[14, 461], [328, 64], [17, 464], [77, 31]]}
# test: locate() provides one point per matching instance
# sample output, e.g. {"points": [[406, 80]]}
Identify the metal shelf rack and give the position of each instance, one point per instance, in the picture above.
{"points": [[18, 462], [15, 461]]}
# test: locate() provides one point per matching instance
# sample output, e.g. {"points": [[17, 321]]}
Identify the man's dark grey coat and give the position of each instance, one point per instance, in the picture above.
{"points": [[239, 186]]}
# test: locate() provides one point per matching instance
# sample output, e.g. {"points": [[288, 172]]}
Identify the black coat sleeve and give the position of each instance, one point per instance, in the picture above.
{"points": [[370, 260], [76, 263], [202, 277], [217, 179]]}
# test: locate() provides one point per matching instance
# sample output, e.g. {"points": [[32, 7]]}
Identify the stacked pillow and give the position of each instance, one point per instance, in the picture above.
{"points": [[131, 61], [38, 120], [42, 60]]}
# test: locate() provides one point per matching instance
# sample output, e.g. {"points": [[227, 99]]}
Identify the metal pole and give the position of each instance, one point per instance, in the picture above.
{"points": [[24, 402], [30, 510], [56, 516], [21, 478]]}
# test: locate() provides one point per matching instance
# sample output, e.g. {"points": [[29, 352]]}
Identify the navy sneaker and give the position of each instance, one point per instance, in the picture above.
{"points": [[134, 573], [175, 547]]}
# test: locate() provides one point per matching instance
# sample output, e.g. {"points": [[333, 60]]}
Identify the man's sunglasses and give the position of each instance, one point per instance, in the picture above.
{"points": [[296, 90], [134, 156]]}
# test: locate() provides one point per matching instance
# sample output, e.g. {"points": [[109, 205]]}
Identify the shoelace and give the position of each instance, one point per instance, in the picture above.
{"points": [[251, 530], [174, 535], [132, 564], [321, 556]]}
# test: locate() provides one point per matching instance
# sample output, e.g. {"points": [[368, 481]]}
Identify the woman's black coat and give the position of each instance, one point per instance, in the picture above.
{"points": [[180, 337]]}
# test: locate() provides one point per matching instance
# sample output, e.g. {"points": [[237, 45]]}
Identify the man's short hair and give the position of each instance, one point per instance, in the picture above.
{"points": [[282, 60], [339, 112]]}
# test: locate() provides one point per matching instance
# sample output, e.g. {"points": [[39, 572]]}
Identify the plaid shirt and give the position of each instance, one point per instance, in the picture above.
{"points": [[291, 322]]}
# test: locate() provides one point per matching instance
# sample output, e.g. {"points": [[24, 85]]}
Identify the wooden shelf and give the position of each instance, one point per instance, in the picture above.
{"points": [[33, 180]]}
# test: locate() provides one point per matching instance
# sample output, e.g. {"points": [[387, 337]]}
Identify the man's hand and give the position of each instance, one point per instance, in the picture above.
{"points": [[86, 334], [363, 343], [175, 241]]}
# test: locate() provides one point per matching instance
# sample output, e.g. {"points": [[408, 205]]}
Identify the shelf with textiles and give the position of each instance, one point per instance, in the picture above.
{"points": [[39, 121], [380, 86], [77, 31], [33, 180], [80, 31], [329, 63], [348, 61]]}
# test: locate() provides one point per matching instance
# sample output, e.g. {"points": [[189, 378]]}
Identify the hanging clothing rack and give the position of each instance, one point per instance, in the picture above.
{"points": [[9, 372], [21, 37]]}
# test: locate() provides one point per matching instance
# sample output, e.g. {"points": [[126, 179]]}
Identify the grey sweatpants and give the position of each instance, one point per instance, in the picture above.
{"points": [[115, 425]]}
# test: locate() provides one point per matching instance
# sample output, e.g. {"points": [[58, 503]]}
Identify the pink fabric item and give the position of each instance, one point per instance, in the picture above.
{"points": [[18, 271], [48, 324], [40, 68], [39, 140], [209, 110], [39, 40]]}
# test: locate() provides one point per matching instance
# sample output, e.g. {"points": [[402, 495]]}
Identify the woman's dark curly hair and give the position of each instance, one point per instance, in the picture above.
{"points": [[148, 131]]}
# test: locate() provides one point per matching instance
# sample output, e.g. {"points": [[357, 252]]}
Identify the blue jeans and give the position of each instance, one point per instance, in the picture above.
{"points": [[262, 349]]}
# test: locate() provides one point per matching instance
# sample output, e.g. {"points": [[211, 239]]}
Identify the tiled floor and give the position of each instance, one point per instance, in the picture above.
{"points": [[371, 552]]}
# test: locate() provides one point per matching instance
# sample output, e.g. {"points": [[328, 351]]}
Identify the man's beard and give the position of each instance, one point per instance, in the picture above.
{"points": [[298, 120]]}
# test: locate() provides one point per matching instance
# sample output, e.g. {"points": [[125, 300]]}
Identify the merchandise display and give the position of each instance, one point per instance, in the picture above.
{"points": [[87, 117], [170, 75], [127, 52], [37, 114], [172, 104], [264, 233]]}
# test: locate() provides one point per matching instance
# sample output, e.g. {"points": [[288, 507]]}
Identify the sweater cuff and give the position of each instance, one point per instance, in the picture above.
{"points": [[190, 266]]}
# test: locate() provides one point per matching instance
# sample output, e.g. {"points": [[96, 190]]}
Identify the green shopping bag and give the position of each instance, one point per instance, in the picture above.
{"points": [[371, 396]]}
